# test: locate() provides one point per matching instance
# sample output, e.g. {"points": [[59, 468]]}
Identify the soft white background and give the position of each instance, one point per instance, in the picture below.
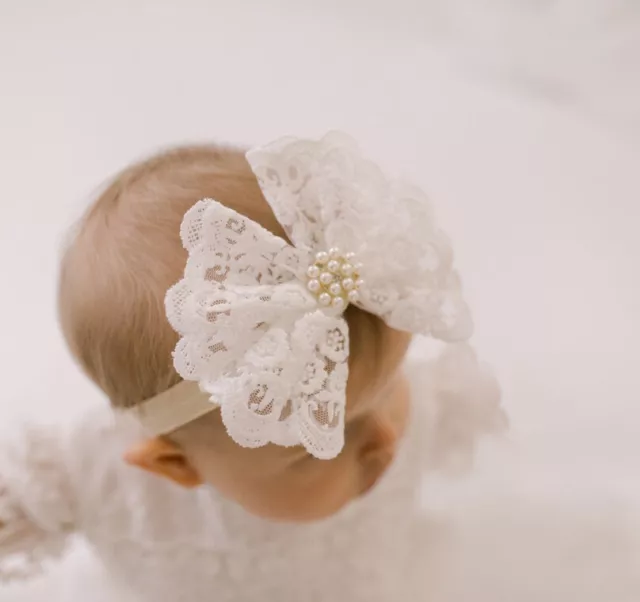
{"points": [[522, 120]]}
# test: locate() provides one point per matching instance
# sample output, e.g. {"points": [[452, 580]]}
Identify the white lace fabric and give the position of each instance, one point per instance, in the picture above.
{"points": [[261, 320], [166, 543], [36, 507]]}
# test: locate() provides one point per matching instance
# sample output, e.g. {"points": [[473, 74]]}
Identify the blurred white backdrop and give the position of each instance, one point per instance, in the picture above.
{"points": [[521, 118]]}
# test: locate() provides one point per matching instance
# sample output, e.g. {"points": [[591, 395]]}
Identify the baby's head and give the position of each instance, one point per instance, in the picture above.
{"points": [[125, 255]]}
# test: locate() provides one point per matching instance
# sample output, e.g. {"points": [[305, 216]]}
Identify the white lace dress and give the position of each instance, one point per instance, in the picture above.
{"points": [[162, 543]]}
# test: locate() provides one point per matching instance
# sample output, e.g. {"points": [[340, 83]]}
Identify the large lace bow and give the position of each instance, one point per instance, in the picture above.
{"points": [[261, 321]]}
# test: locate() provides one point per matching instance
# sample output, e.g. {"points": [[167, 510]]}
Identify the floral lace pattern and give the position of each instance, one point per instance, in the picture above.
{"points": [[261, 321], [326, 195], [290, 389]]}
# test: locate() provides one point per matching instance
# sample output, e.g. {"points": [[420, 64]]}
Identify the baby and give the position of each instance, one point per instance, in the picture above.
{"points": [[269, 438]]}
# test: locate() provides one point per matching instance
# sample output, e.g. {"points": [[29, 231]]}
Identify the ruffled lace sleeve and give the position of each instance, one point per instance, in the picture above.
{"points": [[36, 509], [465, 406]]}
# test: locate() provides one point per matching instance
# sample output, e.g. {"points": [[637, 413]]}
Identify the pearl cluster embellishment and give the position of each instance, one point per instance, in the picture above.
{"points": [[334, 279]]}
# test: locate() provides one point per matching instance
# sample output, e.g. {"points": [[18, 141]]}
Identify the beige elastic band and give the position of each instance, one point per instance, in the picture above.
{"points": [[177, 406]]}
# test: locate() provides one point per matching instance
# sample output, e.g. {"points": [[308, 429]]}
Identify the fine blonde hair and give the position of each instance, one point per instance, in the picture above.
{"points": [[126, 252]]}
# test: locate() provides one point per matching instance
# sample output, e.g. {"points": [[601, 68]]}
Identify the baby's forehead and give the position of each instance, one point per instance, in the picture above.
{"points": [[361, 405], [358, 407], [376, 359]]}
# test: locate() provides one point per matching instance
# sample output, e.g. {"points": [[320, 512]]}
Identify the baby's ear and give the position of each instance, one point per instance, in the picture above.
{"points": [[164, 458]]}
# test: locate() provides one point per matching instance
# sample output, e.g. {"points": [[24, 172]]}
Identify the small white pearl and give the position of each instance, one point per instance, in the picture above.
{"points": [[347, 269], [313, 286], [326, 278], [354, 297], [338, 303], [334, 265], [313, 272], [358, 266], [350, 256], [322, 257], [335, 289], [334, 253], [325, 299], [359, 282], [348, 284]]}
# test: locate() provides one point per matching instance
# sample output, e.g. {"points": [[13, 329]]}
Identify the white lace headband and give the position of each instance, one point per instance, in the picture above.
{"points": [[261, 320]]}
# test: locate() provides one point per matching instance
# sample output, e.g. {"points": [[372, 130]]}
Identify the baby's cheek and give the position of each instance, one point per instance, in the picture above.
{"points": [[299, 497], [295, 496], [307, 490]]}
